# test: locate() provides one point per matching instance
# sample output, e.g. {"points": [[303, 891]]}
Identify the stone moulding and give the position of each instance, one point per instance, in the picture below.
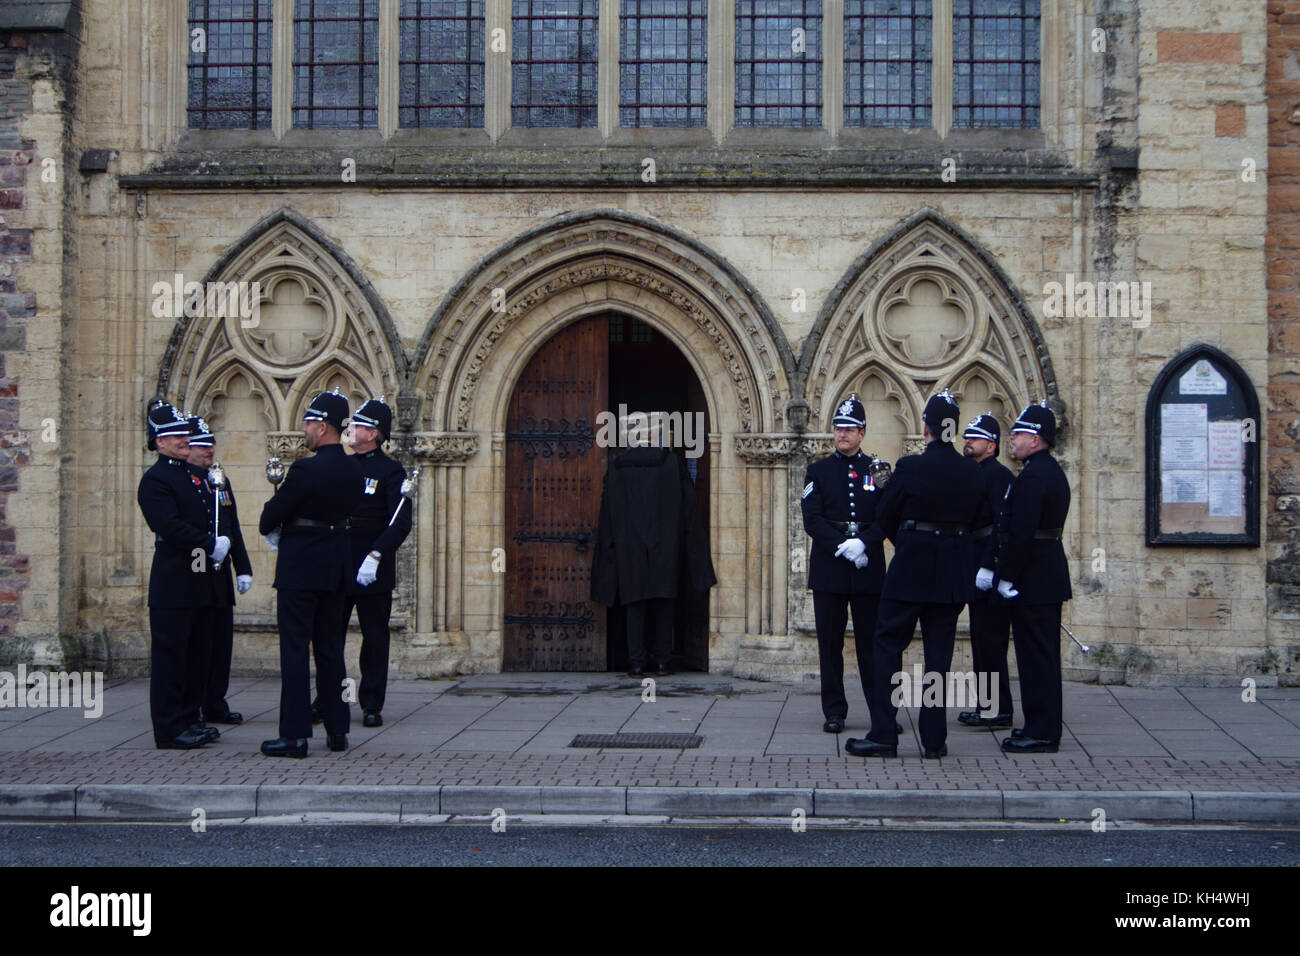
{"points": [[443, 448], [770, 449]]}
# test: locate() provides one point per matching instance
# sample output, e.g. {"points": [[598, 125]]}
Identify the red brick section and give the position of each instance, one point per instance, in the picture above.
{"points": [[1198, 47], [1230, 121], [16, 156]]}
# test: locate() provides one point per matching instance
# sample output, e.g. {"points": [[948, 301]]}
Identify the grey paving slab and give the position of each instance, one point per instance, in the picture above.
{"points": [[487, 741], [482, 801], [19, 801], [1120, 745], [1243, 807], [1082, 805], [941, 804], [720, 801], [275, 799], [164, 801]]}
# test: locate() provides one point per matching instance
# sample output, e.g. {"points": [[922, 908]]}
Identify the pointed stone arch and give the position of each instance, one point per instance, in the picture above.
{"points": [[928, 302], [610, 258], [314, 307]]}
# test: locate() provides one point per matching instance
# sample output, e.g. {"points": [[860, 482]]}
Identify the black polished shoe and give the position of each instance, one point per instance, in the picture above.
{"points": [[635, 672], [863, 747], [317, 717], [936, 754], [1018, 732], [186, 740], [834, 726], [1029, 745], [973, 718], [336, 741], [229, 717], [663, 670], [372, 719], [285, 747], [898, 728], [207, 733]]}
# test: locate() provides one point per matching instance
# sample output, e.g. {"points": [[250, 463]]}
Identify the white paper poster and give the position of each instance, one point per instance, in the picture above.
{"points": [[1202, 379], [1225, 445], [1182, 487], [1182, 419], [1181, 454], [1225, 494]]}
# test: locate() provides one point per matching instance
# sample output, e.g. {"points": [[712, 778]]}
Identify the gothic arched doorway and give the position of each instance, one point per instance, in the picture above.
{"points": [[607, 364]]}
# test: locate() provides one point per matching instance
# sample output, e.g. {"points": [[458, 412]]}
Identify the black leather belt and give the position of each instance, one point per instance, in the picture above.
{"points": [[935, 527], [313, 523], [981, 533], [848, 527], [353, 525], [1042, 534]]}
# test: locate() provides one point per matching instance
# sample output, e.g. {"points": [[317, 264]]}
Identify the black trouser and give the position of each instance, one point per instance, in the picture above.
{"points": [[218, 680], [373, 611], [990, 631], [311, 618], [1037, 632], [831, 611], [894, 630], [179, 648], [656, 616]]}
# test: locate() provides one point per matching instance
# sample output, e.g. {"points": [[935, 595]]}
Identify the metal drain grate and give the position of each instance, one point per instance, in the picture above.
{"points": [[639, 741]]}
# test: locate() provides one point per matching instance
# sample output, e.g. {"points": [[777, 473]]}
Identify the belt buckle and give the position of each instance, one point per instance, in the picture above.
{"points": [[851, 527]]}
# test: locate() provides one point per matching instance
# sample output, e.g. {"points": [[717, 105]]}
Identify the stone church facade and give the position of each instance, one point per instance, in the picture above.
{"points": [[788, 254]]}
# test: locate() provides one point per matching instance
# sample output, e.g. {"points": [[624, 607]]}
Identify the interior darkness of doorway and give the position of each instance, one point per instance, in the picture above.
{"points": [[648, 373]]}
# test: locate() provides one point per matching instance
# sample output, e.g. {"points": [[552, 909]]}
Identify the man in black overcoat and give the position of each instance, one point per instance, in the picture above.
{"points": [[183, 586], [1034, 577], [649, 524], [932, 504], [990, 620], [306, 519], [202, 451], [839, 504]]}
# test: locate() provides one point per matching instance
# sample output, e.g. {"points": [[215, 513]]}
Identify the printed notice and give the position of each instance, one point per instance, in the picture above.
{"points": [[1182, 487], [1180, 454], [1182, 420], [1225, 494], [1225, 445], [1202, 379]]}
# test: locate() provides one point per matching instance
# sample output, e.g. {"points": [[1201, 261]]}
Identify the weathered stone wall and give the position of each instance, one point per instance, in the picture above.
{"points": [[1138, 178], [1283, 252]]}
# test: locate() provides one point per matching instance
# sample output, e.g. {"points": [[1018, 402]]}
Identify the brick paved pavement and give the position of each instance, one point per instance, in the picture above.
{"points": [[1197, 747]]}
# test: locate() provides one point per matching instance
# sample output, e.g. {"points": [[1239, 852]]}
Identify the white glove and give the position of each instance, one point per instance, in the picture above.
{"points": [[272, 540], [852, 549], [984, 579], [243, 582], [1007, 590], [860, 562], [221, 550], [366, 573]]}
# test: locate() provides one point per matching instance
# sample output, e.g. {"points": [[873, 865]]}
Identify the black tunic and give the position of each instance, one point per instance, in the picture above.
{"points": [[177, 506], [381, 492], [1038, 500], [649, 525], [325, 487], [838, 489]]}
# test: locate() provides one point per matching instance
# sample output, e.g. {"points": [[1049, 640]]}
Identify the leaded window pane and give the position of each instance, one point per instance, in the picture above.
{"points": [[555, 60], [230, 75], [663, 63], [887, 62], [336, 64], [440, 63], [778, 73], [996, 63]]}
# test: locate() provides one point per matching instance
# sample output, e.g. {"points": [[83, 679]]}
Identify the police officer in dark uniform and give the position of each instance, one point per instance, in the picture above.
{"points": [[990, 620], [839, 504], [183, 592], [1034, 577], [932, 504], [202, 451], [306, 519], [378, 526]]}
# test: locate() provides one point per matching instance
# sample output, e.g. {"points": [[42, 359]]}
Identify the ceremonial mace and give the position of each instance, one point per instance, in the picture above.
{"points": [[274, 472], [1082, 646], [218, 478], [408, 492]]}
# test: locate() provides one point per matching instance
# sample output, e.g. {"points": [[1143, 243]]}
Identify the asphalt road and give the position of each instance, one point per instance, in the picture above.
{"points": [[524, 844]]}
